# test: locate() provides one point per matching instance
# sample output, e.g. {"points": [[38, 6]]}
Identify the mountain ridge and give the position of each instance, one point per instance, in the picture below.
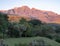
{"points": [[25, 11]]}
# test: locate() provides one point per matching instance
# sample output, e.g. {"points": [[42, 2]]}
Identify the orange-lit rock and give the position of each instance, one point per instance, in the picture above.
{"points": [[31, 13]]}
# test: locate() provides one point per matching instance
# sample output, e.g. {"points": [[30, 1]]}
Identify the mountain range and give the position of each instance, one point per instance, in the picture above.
{"points": [[32, 13]]}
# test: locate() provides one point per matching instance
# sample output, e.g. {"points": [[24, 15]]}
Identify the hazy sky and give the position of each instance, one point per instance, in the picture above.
{"points": [[50, 5]]}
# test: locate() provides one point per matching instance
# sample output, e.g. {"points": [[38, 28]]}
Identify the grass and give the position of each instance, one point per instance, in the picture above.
{"points": [[27, 40]]}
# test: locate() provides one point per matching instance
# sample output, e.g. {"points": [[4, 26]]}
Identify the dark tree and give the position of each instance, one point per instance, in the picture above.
{"points": [[35, 22], [3, 23]]}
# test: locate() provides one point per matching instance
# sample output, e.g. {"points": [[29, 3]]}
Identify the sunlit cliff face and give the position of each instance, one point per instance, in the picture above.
{"points": [[16, 14]]}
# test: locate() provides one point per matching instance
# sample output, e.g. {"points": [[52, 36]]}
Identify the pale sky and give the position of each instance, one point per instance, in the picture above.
{"points": [[49, 5]]}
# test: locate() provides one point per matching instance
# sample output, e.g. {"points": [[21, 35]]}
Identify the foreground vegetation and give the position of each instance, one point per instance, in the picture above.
{"points": [[14, 31], [27, 40]]}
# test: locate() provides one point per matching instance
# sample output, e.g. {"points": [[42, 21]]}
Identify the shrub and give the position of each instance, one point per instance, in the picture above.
{"points": [[38, 43], [20, 44]]}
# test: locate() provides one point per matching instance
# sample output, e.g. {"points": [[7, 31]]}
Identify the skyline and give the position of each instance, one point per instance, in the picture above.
{"points": [[49, 5]]}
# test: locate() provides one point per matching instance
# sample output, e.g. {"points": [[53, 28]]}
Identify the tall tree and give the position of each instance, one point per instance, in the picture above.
{"points": [[3, 22]]}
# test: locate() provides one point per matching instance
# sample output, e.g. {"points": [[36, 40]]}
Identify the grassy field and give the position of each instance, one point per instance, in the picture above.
{"points": [[12, 41]]}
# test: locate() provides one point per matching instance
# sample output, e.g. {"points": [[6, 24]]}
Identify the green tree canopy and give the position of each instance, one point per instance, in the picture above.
{"points": [[3, 21]]}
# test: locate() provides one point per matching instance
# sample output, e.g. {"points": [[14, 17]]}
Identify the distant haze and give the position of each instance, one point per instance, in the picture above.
{"points": [[50, 5]]}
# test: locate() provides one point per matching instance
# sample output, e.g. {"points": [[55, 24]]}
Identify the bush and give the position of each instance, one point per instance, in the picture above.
{"points": [[38, 43], [20, 44], [1, 36], [58, 39]]}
